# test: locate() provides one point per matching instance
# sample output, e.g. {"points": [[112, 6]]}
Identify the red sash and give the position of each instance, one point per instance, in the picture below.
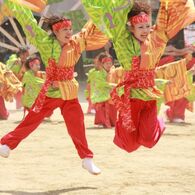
{"points": [[133, 79], [53, 73]]}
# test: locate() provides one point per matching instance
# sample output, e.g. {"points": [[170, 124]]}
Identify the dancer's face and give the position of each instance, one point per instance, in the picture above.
{"points": [[141, 31], [35, 65], [64, 35], [97, 63], [107, 66]]}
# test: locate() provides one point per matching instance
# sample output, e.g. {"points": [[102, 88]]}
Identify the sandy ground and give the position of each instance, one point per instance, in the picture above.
{"points": [[46, 163]]}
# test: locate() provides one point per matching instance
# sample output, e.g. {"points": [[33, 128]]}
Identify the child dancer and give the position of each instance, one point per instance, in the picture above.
{"points": [[32, 81], [100, 95], [59, 53], [138, 50], [15, 63]]}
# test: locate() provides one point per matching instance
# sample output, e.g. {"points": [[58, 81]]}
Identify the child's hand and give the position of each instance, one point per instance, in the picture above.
{"points": [[55, 84]]}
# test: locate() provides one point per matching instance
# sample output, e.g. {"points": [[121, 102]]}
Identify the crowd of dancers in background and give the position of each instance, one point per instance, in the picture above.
{"points": [[102, 77], [105, 75]]}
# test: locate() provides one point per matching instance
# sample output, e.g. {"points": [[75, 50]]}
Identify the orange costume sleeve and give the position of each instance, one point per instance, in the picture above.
{"points": [[174, 15], [90, 37]]}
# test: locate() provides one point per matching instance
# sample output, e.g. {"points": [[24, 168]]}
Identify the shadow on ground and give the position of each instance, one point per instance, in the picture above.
{"points": [[55, 192]]}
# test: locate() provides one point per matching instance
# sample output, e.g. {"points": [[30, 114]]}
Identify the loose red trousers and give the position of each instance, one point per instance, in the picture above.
{"points": [[148, 127], [3, 111], [106, 114], [177, 109], [73, 117]]}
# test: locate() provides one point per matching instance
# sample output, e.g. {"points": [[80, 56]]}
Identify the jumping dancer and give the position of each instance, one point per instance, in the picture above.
{"points": [[138, 50], [60, 52]]}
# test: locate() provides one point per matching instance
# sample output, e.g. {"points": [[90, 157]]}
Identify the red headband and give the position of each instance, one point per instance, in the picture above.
{"points": [[106, 59], [140, 18], [35, 61], [65, 23]]}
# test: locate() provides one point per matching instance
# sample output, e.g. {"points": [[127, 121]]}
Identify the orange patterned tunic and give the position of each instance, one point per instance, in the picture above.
{"points": [[9, 84]]}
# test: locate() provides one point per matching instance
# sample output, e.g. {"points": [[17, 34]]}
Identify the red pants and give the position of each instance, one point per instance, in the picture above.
{"points": [[27, 110], [105, 115], [3, 111], [148, 128], [73, 117], [177, 109]]}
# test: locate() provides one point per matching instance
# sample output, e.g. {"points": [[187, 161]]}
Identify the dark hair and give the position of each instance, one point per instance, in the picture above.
{"points": [[139, 7], [30, 59], [50, 21], [99, 55]]}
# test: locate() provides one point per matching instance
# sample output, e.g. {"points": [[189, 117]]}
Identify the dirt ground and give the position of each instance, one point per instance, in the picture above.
{"points": [[46, 163]]}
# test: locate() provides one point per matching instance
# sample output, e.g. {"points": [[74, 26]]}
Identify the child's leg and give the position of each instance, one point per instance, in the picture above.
{"points": [[112, 114], [125, 139], [180, 107], [107, 121], [71, 111], [29, 124], [99, 114], [150, 127], [176, 109]]}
